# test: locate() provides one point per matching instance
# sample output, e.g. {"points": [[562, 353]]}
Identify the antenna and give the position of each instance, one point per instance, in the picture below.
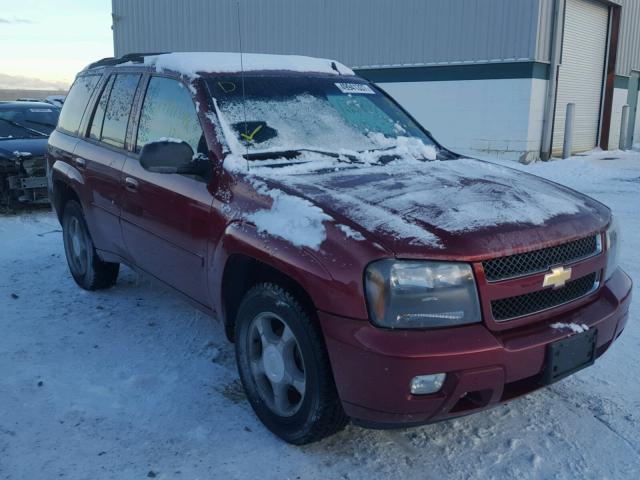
{"points": [[244, 98]]}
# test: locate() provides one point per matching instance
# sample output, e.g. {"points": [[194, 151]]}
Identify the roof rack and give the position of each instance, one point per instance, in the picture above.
{"points": [[129, 57]]}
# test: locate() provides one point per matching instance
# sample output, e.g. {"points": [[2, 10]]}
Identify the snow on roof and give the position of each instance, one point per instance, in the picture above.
{"points": [[192, 63]]}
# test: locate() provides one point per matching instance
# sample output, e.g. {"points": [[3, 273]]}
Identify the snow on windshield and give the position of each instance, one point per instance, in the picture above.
{"points": [[304, 121], [273, 114]]}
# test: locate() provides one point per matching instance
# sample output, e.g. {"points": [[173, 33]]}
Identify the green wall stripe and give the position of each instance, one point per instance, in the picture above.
{"points": [[621, 82], [443, 73]]}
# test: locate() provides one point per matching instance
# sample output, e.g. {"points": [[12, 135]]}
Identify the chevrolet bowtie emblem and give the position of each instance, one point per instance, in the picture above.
{"points": [[557, 277]]}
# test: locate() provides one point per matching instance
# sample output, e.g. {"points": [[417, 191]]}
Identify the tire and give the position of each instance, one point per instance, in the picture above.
{"points": [[278, 343], [88, 271]]}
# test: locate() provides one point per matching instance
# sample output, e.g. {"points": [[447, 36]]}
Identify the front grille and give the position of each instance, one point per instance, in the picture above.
{"points": [[522, 305], [540, 260]]}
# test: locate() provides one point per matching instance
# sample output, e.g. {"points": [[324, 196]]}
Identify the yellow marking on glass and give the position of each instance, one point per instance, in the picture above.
{"points": [[249, 138], [227, 87]]}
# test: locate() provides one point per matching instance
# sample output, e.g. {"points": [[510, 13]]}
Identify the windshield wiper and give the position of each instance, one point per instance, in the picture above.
{"points": [[24, 127], [383, 149], [294, 153], [382, 158], [46, 124]]}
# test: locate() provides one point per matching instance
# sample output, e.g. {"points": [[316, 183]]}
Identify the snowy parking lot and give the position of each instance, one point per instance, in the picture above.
{"points": [[133, 382]]}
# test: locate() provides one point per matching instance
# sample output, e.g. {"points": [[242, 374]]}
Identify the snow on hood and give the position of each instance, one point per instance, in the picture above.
{"points": [[411, 201], [291, 218], [191, 64]]}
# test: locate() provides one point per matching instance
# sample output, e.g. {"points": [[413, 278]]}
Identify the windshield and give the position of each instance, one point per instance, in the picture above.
{"points": [[28, 121], [338, 114]]}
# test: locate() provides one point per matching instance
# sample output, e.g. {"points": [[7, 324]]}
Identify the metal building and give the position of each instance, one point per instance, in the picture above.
{"points": [[483, 75]]}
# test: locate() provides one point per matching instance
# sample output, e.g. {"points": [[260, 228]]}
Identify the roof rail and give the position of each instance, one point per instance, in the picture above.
{"points": [[129, 57]]}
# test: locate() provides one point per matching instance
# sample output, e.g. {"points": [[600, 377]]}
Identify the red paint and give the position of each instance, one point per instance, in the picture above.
{"points": [[503, 365], [183, 231]]}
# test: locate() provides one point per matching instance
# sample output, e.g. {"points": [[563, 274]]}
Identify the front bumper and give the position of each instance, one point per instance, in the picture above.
{"points": [[374, 367]]}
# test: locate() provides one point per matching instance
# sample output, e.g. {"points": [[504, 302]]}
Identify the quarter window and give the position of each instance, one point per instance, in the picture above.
{"points": [[168, 112], [116, 115], [76, 103]]}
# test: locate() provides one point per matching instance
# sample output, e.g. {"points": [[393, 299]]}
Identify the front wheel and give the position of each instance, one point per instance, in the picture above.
{"points": [[284, 367], [87, 269]]}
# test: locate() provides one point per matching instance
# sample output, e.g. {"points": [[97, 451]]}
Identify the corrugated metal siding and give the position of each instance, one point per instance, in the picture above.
{"points": [[629, 46], [545, 30], [356, 32]]}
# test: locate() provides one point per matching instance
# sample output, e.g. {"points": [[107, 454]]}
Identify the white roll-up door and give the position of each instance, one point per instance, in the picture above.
{"points": [[636, 135], [581, 75]]}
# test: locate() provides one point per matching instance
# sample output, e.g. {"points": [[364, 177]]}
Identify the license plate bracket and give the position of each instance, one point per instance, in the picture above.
{"points": [[569, 355]]}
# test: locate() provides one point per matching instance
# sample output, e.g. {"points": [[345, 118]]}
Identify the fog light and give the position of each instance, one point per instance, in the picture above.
{"points": [[426, 384]]}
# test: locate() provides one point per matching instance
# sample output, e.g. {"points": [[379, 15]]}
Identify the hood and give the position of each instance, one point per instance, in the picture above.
{"points": [[459, 209], [36, 146]]}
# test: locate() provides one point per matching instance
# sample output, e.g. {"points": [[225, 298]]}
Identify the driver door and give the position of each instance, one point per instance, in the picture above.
{"points": [[165, 217]]}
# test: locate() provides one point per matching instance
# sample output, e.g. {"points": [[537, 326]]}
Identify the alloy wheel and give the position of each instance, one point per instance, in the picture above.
{"points": [[276, 364]]}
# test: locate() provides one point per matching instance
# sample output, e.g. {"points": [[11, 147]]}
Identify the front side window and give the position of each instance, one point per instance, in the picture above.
{"points": [[168, 112], [116, 115], [76, 103]]}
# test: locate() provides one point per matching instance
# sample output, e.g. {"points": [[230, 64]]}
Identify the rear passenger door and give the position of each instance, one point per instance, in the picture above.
{"points": [[165, 217], [101, 156]]}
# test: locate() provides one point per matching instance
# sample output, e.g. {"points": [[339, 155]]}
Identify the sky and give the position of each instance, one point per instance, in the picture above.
{"points": [[44, 43]]}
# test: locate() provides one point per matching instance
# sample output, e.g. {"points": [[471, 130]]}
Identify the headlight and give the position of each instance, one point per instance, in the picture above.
{"points": [[408, 294], [612, 242]]}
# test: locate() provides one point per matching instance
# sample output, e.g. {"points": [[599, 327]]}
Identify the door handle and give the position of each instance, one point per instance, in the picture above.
{"points": [[131, 184], [80, 162]]}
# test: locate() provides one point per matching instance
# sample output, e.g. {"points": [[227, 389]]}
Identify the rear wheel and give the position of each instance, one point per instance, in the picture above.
{"points": [[284, 367], [87, 269]]}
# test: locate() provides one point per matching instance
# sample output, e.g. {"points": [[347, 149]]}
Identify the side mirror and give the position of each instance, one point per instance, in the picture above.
{"points": [[167, 156]]}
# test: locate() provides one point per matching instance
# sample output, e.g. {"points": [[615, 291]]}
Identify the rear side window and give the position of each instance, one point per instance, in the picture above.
{"points": [[98, 116], [116, 115], [76, 103], [169, 112]]}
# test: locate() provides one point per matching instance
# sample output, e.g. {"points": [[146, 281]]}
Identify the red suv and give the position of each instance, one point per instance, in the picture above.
{"points": [[363, 271]]}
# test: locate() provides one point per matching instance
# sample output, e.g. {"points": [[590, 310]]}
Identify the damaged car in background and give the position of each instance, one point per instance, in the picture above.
{"points": [[24, 131]]}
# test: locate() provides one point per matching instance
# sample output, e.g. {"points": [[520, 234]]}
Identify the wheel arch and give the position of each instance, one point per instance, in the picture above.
{"points": [[244, 257], [62, 193], [66, 183], [241, 273]]}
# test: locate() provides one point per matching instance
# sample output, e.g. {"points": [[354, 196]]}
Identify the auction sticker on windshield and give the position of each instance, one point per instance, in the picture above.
{"points": [[355, 88]]}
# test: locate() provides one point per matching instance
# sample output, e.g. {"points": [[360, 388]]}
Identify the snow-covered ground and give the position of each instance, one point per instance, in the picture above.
{"points": [[134, 383]]}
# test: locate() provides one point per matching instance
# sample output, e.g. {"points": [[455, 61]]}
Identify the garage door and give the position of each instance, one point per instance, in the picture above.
{"points": [[581, 74], [636, 135], [633, 100]]}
